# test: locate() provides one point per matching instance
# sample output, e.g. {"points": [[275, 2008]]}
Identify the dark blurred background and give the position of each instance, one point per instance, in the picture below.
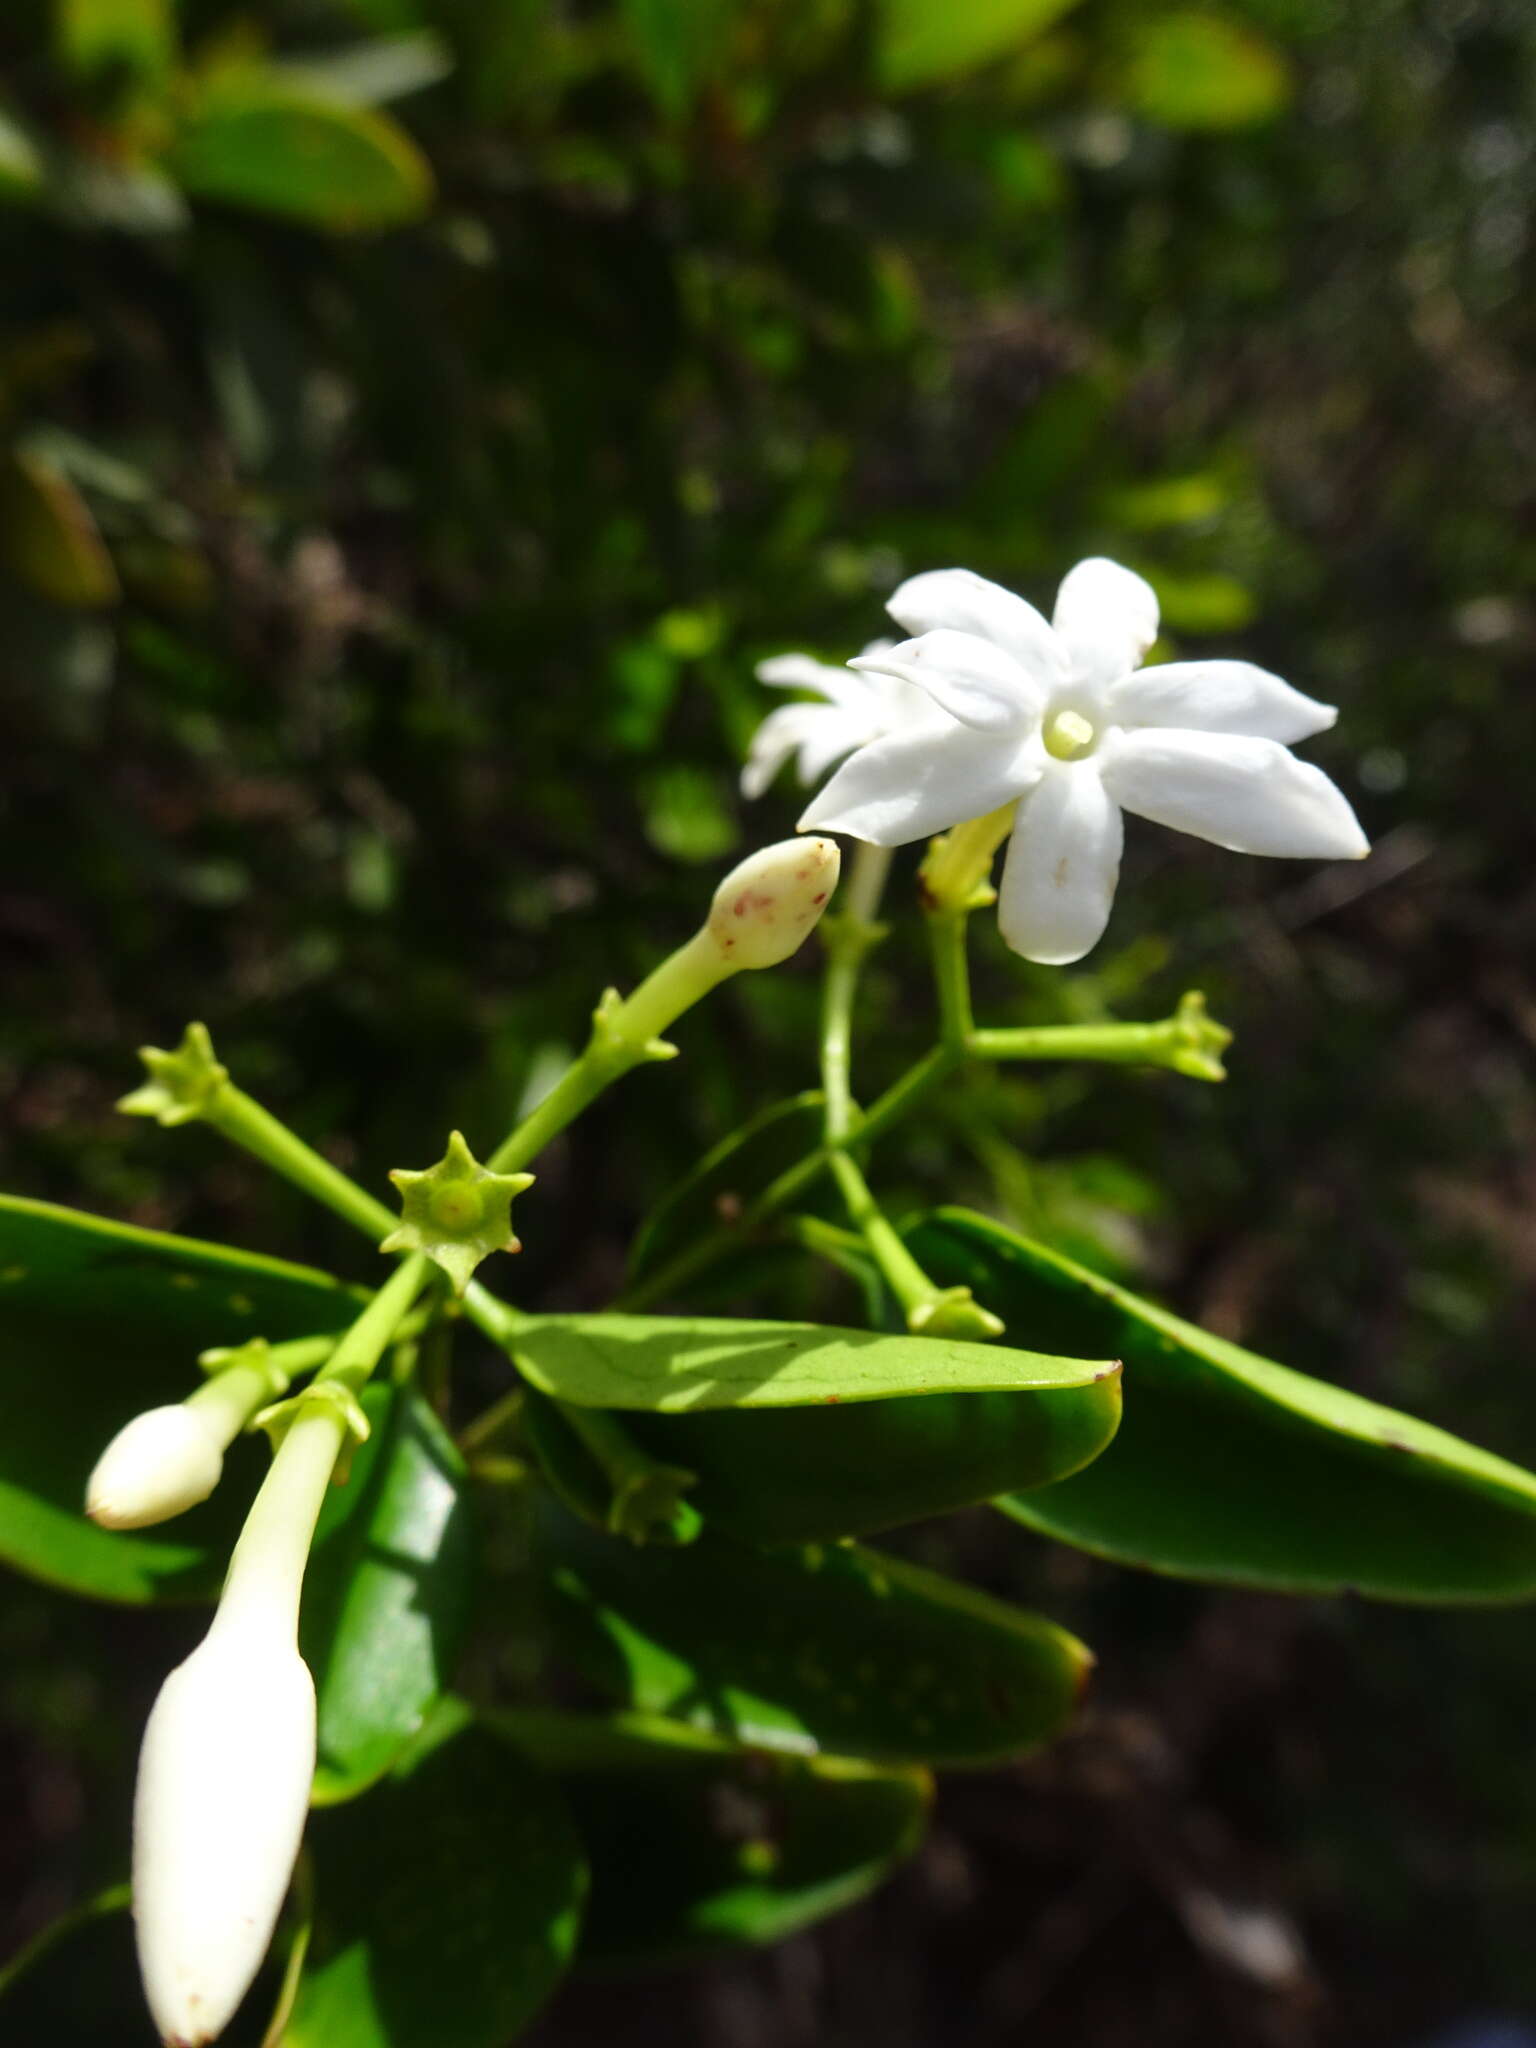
{"points": [[417, 417]]}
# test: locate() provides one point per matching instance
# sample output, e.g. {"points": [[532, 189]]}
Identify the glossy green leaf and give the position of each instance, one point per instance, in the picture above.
{"points": [[109, 1320], [387, 1593], [829, 1647], [1192, 69], [696, 1846], [48, 539], [805, 1475], [446, 1902], [919, 43], [674, 1364], [726, 1179], [268, 140], [1231, 1468]]}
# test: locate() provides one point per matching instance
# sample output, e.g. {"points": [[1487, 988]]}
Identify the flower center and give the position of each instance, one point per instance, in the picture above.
{"points": [[1068, 735], [458, 1208]]}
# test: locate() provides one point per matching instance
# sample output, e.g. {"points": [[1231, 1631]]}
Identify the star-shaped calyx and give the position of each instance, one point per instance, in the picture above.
{"points": [[182, 1083], [457, 1212]]}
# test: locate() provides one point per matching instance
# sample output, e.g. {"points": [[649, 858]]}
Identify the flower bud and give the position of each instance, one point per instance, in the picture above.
{"points": [[765, 906], [158, 1465], [223, 1789]]}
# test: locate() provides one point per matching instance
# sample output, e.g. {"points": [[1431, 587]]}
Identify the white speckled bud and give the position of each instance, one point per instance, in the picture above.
{"points": [[768, 904], [158, 1465]]}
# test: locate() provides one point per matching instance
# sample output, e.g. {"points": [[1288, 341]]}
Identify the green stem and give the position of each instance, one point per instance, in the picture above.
{"points": [[951, 977], [247, 1124], [623, 1035], [362, 1346], [926, 1305]]}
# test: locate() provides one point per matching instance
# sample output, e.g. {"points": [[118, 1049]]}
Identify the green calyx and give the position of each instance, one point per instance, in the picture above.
{"points": [[282, 1415], [1198, 1041], [456, 1212], [256, 1356], [181, 1084]]}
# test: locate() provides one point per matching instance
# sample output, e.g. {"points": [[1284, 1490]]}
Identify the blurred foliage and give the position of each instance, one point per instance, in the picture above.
{"points": [[417, 416]]}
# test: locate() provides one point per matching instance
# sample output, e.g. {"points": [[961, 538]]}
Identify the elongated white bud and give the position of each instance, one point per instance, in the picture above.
{"points": [[224, 1782], [768, 904], [229, 1756], [160, 1464]]}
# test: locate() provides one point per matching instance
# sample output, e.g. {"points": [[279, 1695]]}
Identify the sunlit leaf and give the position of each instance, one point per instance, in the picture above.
{"points": [[674, 1364], [387, 1592], [804, 1475], [919, 43], [1231, 1468], [103, 35], [267, 140], [1193, 69]]}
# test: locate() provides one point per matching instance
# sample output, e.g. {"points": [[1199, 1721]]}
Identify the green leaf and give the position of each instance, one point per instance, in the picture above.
{"points": [[48, 539], [672, 1364], [676, 47], [1195, 70], [99, 1320], [446, 1902], [696, 1846], [267, 140], [920, 43], [137, 36], [387, 1593], [1232, 1469], [807, 1475], [726, 1179], [824, 1648]]}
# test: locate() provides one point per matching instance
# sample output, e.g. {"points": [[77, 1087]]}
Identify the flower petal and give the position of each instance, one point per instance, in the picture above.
{"points": [[1107, 616], [819, 732], [963, 602], [920, 781], [974, 680], [1218, 696], [1063, 862], [1249, 795]]}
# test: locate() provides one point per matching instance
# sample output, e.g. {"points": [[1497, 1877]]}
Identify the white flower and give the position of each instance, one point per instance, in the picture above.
{"points": [[857, 706], [1059, 719]]}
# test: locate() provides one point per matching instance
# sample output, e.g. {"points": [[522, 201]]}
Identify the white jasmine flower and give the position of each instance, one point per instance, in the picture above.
{"points": [[1059, 718], [857, 706]]}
